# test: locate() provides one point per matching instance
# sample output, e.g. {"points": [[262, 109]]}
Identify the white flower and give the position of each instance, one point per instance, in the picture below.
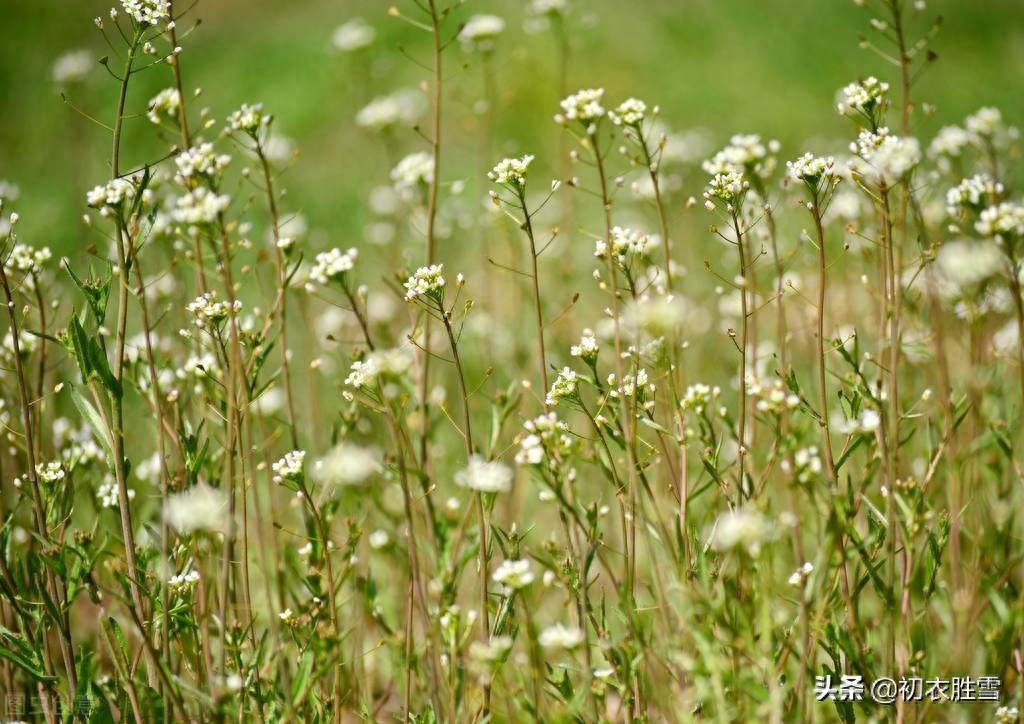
{"points": [[48, 473], [480, 32], [199, 206], [746, 528], [200, 508], [289, 467], [972, 193], [564, 387], [346, 464], [584, 105], [378, 539], [511, 171], [588, 347], [630, 112], [514, 574], [248, 118], [108, 496], [869, 421], [183, 582], [549, 7], [986, 122], [332, 264], [727, 187], [625, 243], [200, 160], [206, 309], [72, 67], [491, 652], [863, 96], [147, 12], [413, 170], [353, 35], [811, 169], [403, 107], [111, 195], [1005, 218], [698, 397], [24, 258], [745, 153], [381, 363], [801, 574], [949, 141], [485, 476], [884, 158], [426, 281], [558, 636], [545, 435], [165, 103]]}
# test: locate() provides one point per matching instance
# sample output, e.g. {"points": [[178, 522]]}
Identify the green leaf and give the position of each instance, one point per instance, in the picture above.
{"points": [[94, 421]]}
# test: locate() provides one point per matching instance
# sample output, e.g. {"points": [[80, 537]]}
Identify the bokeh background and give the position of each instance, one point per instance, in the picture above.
{"points": [[723, 66]]}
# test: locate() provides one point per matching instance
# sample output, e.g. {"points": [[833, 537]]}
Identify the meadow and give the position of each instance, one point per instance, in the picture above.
{"points": [[484, 361]]}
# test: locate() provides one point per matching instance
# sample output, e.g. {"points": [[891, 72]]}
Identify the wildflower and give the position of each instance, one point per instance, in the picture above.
{"points": [[353, 35], [807, 463], [547, 438], [403, 107], [511, 171], [726, 187], [863, 96], [972, 193], [884, 159], [331, 265], [24, 258], [564, 387], [485, 476], [558, 636], [111, 196], [480, 32], [633, 385], [378, 539], [869, 421], [165, 103], [745, 153], [625, 243], [1001, 219], [772, 397], [949, 142], [698, 396], [200, 160], [381, 363], [247, 119], [49, 473], [986, 123], [346, 464], [72, 67], [107, 494], [200, 206], [289, 468], [744, 528], [514, 574], [801, 574], [147, 12], [630, 112], [200, 508], [183, 582], [549, 7], [413, 170], [587, 348], [1007, 715], [426, 281], [812, 170], [207, 310], [584, 105], [491, 652]]}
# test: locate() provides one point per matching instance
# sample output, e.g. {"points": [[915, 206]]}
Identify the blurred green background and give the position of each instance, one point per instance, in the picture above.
{"points": [[724, 65]]}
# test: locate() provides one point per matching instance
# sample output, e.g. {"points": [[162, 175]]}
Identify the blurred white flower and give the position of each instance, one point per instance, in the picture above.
{"points": [[353, 35], [200, 508], [485, 476], [72, 67]]}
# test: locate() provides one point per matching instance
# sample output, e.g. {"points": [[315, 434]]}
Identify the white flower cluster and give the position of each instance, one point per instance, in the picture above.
{"points": [[630, 112], [883, 158], [403, 107], [147, 12], [744, 528], [547, 437], [110, 196], [811, 169], [72, 67], [289, 467], [697, 397], [973, 193], [1007, 715], [353, 35], [771, 397], [633, 385], [107, 494], [511, 171], [584, 105], [514, 575], [200, 508], [625, 243], [1002, 219], [183, 582], [24, 258], [558, 636], [801, 574], [200, 160], [549, 7], [248, 118], [726, 187], [807, 463], [48, 473], [381, 363], [985, 123], [485, 476], [564, 387], [426, 281], [862, 97], [413, 170], [950, 141], [588, 347], [332, 264], [480, 32], [208, 310], [199, 206], [165, 103], [492, 652], [346, 464], [744, 153]]}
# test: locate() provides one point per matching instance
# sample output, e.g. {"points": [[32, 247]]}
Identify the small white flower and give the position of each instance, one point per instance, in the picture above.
{"points": [[147, 12], [862, 96], [413, 170], [166, 103], [584, 105], [200, 508], [558, 636], [49, 473], [289, 467], [401, 108], [347, 464], [378, 539], [332, 265], [485, 476], [743, 528], [564, 387], [480, 32], [511, 171], [426, 281], [588, 347], [514, 574], [353, 35], [248, 118], [72, 67], [630, 112]]}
